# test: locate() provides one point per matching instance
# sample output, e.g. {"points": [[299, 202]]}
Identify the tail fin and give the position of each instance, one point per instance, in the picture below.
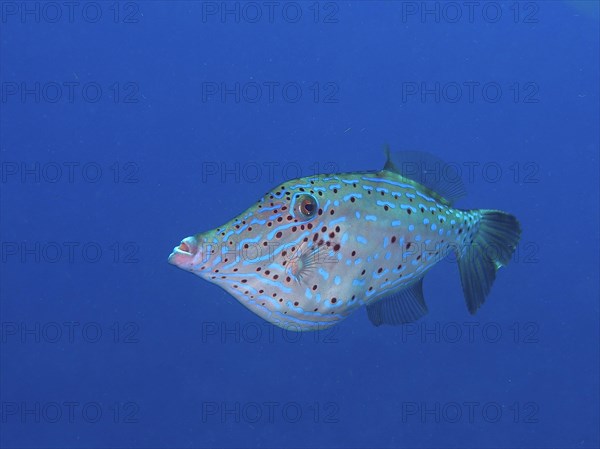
{"points": [[491, 248]]}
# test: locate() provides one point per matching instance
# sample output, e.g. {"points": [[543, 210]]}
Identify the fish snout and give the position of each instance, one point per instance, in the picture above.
{"points": [[186, 254]]}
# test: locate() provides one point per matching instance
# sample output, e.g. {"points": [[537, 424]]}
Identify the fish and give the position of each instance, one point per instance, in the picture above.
{"points": [[315, 249]]}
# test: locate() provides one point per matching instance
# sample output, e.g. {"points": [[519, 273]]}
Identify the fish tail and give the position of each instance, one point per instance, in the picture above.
{"points": [[490, 248]]}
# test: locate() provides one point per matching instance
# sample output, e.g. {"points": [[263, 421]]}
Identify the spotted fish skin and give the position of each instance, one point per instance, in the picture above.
{"points": [[371, 235]]}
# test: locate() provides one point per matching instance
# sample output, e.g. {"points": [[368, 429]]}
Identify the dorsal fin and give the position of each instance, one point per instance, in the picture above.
{"points": [[436, 177]]}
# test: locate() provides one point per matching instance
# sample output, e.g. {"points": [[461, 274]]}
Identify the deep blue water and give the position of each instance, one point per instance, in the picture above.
{"points": [[128, 126]]}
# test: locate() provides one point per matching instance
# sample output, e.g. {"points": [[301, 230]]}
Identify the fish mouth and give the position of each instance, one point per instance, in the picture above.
{"points": [[185, 253], [187, 247]]}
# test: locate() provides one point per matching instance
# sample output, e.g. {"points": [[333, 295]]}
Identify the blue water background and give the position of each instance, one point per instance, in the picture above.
{"points": [[357, 386]]}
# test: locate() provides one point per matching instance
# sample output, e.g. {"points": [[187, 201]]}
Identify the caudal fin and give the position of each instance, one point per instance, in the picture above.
{"points": [[491, 248]]}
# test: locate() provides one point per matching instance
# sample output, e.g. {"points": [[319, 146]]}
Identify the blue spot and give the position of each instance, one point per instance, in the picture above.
{"points": [[361, 239], [425, 197], [280, 228], [355, 195], [426, 221], [336, 221], [370, 218], [232, 264], [388, 255], [385, 203], [357, 214], [324, 273], [396, 223], [380, 275], [308, 293], [267, 281], [239, 231], [254, 240], [411, 227], [337, 280], [270, 208], [433, 227]]}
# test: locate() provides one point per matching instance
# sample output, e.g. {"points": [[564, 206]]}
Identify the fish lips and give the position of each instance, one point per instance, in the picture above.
{"points": [[187, 254]]}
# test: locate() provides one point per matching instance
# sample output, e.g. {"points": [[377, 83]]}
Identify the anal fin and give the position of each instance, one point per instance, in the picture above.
{"points": [[402, 307]]}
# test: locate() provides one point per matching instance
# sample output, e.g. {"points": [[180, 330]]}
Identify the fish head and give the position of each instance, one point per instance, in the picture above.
{"points": [[285, 258]]}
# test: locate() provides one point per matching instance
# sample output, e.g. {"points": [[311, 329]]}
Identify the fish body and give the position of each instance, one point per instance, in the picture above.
{"points": [[315, 249]]}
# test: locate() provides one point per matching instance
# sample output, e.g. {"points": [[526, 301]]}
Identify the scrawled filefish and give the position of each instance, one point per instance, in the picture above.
{"points": [[315, 249]]}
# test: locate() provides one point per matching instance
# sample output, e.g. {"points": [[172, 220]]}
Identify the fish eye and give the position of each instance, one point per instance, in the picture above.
{"points": [[305, 206]]}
